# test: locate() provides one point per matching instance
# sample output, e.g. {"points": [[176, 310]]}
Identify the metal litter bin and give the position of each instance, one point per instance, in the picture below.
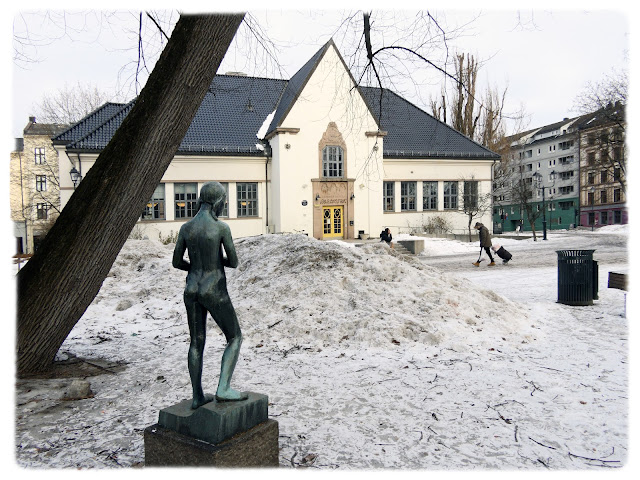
{"points": [[577, 277]]}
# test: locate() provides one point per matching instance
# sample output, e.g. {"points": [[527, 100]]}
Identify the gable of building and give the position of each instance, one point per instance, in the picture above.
{"points": [[236, 107]]}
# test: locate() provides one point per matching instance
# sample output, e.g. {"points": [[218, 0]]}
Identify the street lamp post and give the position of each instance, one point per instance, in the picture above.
{"points": [[592, 203], [544, 212]]}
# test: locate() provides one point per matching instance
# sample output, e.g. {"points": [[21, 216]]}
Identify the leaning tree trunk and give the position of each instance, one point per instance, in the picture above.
{"points": [[63, 277]]}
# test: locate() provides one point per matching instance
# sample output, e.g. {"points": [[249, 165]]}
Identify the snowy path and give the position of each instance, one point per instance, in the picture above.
{"points": [[546, 389]]}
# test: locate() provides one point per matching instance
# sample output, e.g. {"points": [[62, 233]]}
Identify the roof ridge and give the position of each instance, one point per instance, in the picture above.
{"points": [[309, 65], [87, 116], [101, 125], [250, 76]]}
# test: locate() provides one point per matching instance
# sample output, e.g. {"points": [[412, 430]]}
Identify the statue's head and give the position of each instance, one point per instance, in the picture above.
{"points": [[214, 194]]}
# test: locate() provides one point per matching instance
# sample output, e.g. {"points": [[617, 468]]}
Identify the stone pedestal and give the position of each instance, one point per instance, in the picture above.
{"points": [[225, 434]]}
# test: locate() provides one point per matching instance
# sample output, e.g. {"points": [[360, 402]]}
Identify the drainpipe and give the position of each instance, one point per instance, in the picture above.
{"points": [[26, 236], [79, 166], [493, 165], [266, 193]]}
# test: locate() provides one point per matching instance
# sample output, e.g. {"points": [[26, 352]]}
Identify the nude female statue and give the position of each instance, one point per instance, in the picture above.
{"points": [[204, 237]]}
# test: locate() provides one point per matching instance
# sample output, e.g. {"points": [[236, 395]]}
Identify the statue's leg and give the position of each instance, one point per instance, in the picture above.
{"points": [[197, 318], [225, 316]]}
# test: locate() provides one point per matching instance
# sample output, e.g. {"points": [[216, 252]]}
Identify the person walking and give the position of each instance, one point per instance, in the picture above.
{"points": [[485, 243]]}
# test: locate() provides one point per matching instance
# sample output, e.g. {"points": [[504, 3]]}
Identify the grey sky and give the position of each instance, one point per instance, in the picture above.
{"points": [[544, 57]]}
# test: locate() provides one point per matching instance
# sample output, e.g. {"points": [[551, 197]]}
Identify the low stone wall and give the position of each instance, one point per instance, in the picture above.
{"points": [[414, 246]]}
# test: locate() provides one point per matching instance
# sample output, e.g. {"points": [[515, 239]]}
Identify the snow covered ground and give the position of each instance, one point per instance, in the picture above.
{"points": [[370, 359]]}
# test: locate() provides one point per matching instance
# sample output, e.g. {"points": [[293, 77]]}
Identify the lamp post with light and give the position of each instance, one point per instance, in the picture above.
{"points": [[76, 177], [539, 184]]}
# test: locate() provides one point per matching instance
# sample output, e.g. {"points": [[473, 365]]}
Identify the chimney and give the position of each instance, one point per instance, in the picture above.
{"points": [[32, 119]]}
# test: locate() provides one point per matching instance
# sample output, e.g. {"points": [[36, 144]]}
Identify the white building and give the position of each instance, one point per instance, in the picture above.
{"points": [[309, 155]]}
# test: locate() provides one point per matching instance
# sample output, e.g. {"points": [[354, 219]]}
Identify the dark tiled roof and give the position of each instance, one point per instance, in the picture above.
{"points": [[227, 121], [411, 132], [235, 108], [89, 123], [231, 114], [48, 129], [611, 114]]}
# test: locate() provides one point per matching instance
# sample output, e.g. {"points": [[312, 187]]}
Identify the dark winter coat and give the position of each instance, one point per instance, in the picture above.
{"points": [[485, 237], [386, 237]]}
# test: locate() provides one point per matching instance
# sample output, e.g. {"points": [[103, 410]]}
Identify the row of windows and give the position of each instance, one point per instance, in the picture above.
{"points": [[408, 195], [604, 155], [604, 176], [551, 207], [604, 217], [604, 196], [605, 136], [568, 160], [552, 148], [186, 199]]}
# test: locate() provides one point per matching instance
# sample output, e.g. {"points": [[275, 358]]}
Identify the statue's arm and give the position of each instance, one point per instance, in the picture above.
{"points": [[178, 254], [232, 256]]}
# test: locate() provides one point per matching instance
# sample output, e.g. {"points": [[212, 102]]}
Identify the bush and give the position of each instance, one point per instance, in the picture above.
{"points": [[137, 233], [171, 238], [437, 224]]}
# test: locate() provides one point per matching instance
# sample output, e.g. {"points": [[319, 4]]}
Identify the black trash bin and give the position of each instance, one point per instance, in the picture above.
{"points": [[577, 277]]}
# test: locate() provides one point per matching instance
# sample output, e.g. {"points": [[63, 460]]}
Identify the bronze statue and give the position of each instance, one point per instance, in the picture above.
{"points": [[204, 236]]}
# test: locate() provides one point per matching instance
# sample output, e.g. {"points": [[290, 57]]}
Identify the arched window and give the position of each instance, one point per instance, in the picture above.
{"points": [[332, 161]]}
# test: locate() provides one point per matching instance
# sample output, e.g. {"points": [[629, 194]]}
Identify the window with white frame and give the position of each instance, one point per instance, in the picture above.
{"points": [[388, 197], [408, 196], [186, 198], [41, 211], [225, 210], [41, 183], [470, 194], [39, 154], [247, 199], [154, 210], [332, 161], [450, 195], [429, 195]]}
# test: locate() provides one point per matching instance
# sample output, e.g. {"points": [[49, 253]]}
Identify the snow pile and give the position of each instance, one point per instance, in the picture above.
{"points": [[370, 359], [295, 290], [292, 288]]}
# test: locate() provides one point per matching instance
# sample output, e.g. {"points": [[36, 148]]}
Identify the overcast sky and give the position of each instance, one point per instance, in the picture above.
{"points": [[544, 56]]}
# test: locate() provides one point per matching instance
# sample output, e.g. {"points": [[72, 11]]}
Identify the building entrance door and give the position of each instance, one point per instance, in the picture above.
{"points": [[333, 223]]}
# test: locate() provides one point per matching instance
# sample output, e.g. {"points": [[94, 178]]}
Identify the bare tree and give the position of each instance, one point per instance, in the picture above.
{"points": [[63, 277], [474, 204], [481, 118], [612, 89], [520, 191], [70, 104], [604, 107]]}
